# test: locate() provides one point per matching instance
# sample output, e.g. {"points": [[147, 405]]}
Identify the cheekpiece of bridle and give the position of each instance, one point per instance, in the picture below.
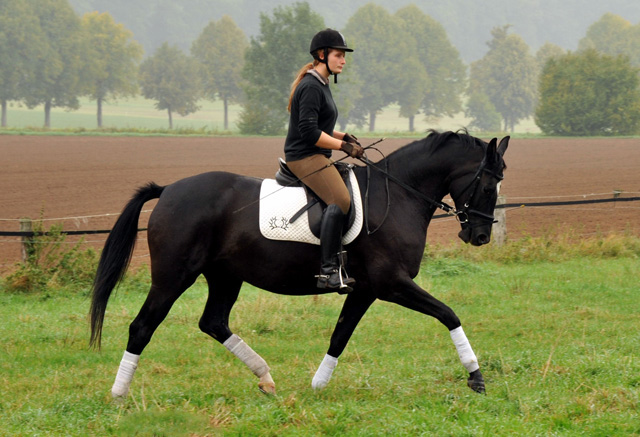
{"points": [[463, 215]]}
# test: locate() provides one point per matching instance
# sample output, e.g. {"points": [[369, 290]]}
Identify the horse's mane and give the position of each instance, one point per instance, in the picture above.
{"points": [[435, 139], [438, 138]]}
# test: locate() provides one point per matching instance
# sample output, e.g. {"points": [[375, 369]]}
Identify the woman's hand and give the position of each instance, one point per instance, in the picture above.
{"points": [[351, 139], [354, 150]]}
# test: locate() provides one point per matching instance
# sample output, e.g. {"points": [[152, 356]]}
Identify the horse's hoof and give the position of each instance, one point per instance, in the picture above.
{"points": [[119, 393], [476, 382], [268, 388]]}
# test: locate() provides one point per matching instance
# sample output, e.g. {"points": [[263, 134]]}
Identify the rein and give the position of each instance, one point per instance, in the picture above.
{"points": [[462, 216], [388, 176], [447, 208]]}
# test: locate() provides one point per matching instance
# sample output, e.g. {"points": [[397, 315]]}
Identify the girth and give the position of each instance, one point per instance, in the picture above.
{"points": [[316, 206]]}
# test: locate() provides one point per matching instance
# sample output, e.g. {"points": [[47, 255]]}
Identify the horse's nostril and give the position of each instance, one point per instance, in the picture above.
{"points": [[483, 239]]}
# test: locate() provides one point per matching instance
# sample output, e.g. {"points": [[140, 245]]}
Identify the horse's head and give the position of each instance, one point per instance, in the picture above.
{"points": [[475, 194]]}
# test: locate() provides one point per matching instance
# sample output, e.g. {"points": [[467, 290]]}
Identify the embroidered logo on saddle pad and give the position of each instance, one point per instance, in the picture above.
{"points": [[278, 205]]}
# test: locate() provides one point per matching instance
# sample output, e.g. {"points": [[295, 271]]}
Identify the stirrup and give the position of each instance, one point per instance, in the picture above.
{"points": [[345, 280], [345, 286]]}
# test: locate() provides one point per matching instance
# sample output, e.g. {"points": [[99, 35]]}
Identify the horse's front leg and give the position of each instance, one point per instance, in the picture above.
{"points": [[356, 304], [410, 295], [468, 359]]}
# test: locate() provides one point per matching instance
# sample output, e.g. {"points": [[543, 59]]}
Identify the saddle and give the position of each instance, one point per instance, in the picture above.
{"points": [[315, 206]]}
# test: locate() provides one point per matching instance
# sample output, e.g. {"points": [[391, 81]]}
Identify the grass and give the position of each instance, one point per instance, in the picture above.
{"points": [[125, 114], [556, 338], [138, 115]]}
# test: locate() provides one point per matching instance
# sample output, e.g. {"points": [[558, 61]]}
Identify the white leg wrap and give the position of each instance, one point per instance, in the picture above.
{"points": [[468, 358], [240, 349], [127, 368], [324, 372]]}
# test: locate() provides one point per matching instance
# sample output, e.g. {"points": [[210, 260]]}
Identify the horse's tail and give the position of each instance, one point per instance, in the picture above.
{"points": [[116, 256]]}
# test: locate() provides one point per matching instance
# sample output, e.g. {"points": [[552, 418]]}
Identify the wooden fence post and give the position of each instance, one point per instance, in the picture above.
{"points": [[499, 230], [27, 241]]}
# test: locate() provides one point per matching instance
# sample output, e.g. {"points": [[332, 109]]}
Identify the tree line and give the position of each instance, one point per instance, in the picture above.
{"points": [[50, 56]]}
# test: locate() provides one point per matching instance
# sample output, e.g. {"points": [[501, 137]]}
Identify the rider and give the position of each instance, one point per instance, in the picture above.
{"points": [[310, 140]]}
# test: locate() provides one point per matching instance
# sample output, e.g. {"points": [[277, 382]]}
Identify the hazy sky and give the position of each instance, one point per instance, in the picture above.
{"points": [[468, 22]]}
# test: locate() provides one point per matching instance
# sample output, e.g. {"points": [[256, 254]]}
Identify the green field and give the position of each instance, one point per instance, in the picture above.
{"points": [[556, 336], [140, 113]]}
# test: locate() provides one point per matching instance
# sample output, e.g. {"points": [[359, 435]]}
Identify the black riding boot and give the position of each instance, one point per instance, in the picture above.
{"points": [[332, 273]]}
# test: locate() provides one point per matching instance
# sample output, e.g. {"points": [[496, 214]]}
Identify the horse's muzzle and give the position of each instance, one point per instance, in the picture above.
{"points": [[475, 236], [465, 234], [480, 239]]}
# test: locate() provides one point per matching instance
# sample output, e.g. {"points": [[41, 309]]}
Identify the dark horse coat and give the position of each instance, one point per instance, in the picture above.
{"points": [[201, 225]]}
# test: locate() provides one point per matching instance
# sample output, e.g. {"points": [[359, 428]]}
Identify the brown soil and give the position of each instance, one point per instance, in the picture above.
{"points": [[77, 178]]}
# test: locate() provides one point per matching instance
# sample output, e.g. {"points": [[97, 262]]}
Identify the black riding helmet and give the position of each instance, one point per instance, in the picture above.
{"points": [[327, 39]]}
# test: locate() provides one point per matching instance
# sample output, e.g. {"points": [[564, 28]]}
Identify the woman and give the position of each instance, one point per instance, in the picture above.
{"points": [[309, 143]]}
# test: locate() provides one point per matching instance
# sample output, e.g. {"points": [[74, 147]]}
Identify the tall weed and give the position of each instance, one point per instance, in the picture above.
{"points": [[52, 263], [548, 247]]}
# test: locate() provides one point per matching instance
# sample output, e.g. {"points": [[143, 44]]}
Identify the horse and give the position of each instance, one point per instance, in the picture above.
{"points": [[207, 225]]}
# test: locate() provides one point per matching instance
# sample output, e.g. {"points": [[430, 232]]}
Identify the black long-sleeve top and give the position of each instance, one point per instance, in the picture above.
{"points": [[313, 111]]}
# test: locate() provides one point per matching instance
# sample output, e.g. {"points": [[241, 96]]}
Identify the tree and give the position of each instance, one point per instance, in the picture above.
{"points": [[381, 53], [20, 46], [548, 51], [271, 63], [60, 72], [588, 93], [613, 35], [220, 48], [171, 78], [347, 94], [445, 72], [507, 74], [411, 88], [544, 54], [114, 58], [484, 116]]}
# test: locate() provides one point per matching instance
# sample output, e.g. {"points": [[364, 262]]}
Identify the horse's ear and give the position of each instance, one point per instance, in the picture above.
{"points": [[504, 143], [491, 149]]}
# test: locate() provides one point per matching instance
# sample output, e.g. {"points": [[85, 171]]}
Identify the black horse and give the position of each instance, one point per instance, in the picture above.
{"points": [[202, 225]]}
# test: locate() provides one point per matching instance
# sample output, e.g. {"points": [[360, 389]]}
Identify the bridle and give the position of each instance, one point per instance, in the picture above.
{"points": [[461, 215]]}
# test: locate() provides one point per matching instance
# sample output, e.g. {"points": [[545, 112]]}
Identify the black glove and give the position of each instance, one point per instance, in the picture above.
{"points": [[351, 139], [352, 149]]}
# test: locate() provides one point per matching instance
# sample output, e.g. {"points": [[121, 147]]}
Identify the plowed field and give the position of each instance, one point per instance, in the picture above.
{"points": [[83, 182]]}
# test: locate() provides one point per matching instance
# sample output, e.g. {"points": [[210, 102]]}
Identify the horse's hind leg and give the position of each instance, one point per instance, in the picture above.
{"points": [[164, 292], [355, 306], [223, 293]]}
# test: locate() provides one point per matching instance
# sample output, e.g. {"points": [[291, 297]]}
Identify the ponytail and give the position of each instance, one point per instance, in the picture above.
{"points": [[298, 78]]}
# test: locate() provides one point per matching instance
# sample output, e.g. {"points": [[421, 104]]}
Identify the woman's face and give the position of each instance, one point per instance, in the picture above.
{"points": [[336, 60]]}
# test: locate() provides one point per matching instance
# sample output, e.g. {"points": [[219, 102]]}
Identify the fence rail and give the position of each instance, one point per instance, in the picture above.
{"points": [[557, 203], [616, 198]]}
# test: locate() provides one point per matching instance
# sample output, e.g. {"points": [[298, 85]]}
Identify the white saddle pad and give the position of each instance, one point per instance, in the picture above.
{"points": [[278, 205]]}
